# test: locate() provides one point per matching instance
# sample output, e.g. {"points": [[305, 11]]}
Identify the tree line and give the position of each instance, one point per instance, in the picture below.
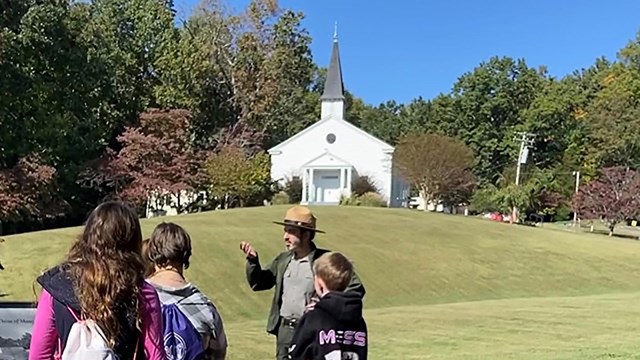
{"points": [[117, 98]]}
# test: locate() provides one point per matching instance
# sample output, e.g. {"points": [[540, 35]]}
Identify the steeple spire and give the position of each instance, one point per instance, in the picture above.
{"points": [[333, 86]]}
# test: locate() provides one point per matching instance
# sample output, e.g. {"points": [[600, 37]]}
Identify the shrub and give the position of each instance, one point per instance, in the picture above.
{"points": [[348, 200], [293, 188], [371, 199], [280, 198], [362, 185], [485, 199], [563, 213]]}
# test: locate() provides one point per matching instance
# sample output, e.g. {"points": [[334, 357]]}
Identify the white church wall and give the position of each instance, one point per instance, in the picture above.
{"points": [[365, 153]]}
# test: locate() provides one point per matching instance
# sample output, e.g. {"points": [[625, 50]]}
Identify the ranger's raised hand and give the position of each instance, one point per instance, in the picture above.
{"points": [[248, 250]]}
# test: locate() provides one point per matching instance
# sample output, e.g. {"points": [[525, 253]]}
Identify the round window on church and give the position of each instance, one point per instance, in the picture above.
{"points": [[331, 138]]}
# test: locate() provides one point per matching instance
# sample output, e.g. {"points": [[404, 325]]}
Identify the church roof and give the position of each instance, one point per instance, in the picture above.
{"points": [[326, 159], [333, 86], [385, 147]]}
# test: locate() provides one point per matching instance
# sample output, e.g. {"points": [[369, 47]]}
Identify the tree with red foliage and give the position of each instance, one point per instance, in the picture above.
{"points": [[157, 160], [613, 197], [26, 191]]}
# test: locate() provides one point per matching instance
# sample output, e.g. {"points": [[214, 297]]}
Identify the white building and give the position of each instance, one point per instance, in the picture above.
{"points": [[329, 154]]}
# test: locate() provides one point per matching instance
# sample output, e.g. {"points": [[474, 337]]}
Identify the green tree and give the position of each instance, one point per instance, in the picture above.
{"points": [[232, 172], [129, 37], [49, 98], [488, 105], [613, 116], [382, 121]]}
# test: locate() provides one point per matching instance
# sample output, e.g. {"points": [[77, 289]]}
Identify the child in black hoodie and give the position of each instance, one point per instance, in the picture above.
{"points": [[334, 329]]}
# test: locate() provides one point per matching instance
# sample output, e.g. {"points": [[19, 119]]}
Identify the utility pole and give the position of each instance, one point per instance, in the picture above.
{"points": [[575, 211], [526, 141]]}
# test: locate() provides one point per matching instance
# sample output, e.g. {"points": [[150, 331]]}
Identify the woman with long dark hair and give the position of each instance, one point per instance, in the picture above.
{"points": [[102, 279]]}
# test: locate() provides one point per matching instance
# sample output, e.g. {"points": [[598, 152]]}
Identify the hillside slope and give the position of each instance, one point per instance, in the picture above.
{"points": [[404, 257]]}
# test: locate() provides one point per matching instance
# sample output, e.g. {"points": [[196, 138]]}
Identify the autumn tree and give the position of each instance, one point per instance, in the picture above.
{"points": [[27, 191], [613, 197], [232, 172], [157, 160], [273, 70], [253, 66], [438, 166]]}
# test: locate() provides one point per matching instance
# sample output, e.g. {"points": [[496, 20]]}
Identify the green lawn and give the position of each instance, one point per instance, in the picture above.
{"points": [[438, 286]]}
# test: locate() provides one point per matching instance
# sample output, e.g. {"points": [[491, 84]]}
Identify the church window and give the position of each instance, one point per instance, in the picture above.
{"points": [[331, 138]]}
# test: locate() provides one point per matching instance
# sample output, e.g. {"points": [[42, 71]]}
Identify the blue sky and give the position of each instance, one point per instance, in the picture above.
{"points": [[409, 48]]}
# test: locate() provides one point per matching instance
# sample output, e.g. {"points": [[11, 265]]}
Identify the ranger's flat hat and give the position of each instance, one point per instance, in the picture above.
{"points": [[301, 217]]}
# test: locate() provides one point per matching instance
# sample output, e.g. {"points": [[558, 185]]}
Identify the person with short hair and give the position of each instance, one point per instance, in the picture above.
{"points": [[291, 274], [334, 328], [168, 250]]}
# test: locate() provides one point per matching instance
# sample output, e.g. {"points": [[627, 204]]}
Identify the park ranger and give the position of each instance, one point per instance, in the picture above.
{"points": [[292, 275]]}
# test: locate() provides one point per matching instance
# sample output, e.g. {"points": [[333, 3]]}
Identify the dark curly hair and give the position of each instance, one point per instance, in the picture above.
{"points": [[107, 267]]}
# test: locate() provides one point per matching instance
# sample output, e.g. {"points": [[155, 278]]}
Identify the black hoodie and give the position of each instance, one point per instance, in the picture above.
{"points": [[334, 329]]}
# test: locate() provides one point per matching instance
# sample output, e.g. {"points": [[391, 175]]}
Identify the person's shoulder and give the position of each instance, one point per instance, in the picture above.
{"points": [[196, 293], [148, 292], [57, 281], [54, 271], [283, 256], [319, 252]]}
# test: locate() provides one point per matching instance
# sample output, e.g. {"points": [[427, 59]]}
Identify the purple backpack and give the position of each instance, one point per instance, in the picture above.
{"points": [[181, 339]]}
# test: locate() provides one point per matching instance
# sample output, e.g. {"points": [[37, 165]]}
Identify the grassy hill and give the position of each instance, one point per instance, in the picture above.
{"points": [[438, 286]]}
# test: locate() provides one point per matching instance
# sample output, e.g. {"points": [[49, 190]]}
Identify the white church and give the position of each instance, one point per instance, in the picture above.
{"points": [[329, 154]]}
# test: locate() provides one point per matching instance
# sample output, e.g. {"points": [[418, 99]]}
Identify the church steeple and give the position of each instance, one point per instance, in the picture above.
{"points": [[333, 95]]}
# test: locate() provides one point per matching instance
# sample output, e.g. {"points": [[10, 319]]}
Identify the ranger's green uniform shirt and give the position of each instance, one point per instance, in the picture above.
{"points": [[264, 279]]}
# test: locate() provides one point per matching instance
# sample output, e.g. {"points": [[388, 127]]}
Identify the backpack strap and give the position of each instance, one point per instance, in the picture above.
{"points": [[189, 303], [73, 313], [135, 351], [58, 354], [179, 301]]}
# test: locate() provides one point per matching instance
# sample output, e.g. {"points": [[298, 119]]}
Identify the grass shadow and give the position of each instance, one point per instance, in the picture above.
{"points": [[606, 233]]}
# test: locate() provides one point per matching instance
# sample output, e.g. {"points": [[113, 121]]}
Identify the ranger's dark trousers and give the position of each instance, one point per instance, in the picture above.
{"points": [[283, 340]]}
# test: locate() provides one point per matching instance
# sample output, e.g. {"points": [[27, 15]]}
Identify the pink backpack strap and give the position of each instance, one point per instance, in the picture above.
{"points": [[135, 352], [58, 353], [73, 313]]}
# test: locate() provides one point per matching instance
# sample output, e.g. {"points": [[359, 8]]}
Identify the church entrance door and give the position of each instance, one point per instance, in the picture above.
{"points": [[327, 183]]}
